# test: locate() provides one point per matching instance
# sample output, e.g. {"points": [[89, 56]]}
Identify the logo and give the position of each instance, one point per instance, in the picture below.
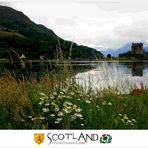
{"points": [[39, 138], [71, 138], [106, 138]]}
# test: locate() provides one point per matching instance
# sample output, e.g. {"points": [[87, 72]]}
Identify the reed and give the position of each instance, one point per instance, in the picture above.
{"points": [[57, 100]]}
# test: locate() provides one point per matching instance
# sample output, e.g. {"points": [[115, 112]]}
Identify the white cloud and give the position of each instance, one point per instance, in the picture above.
{"points": [[97, 24]]}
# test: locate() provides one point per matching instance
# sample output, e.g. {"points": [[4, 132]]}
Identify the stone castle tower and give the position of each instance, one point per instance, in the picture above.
{"points": [[137, 49]]}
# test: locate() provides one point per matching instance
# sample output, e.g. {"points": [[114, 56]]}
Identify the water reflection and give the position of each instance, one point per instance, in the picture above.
{"points": [[120, 75], [137, 68], [103, 74], [40, 68]]}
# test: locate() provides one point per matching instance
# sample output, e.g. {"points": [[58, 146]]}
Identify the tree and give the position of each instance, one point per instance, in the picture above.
{"points": [[109, 56]]}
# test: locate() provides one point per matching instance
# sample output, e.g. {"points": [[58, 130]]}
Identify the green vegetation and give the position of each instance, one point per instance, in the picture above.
{"points": [[19, 33], [129, 56], [58, 101]]}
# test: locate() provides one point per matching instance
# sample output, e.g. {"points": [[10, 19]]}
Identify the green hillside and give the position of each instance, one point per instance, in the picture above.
{"points": [[19, 33]]}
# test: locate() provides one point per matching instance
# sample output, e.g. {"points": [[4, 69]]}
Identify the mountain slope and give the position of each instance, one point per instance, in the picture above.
{"points": [[19, 33]]}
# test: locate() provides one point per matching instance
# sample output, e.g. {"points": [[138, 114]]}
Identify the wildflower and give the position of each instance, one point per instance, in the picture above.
{"points": [[73, 117], [97, 106], [42, 98], [42, 118], [41, 103], [54, 93], [59, 119], [78, 110], [125, 117], [68, 97], [60, 113], [47, 104], [82, 124], [35, 118], [134, 121], [91, 98], [61, 93], [53, 104], [132, 124], [56, 122], [78, 115], [104, 103], [45, 110], [52, 115], [123, 120], [42, 94], [60, 97], [109, 103], [64, 90], [129, 121], [30, 117], [125, 114], [52, 97], [67, 104], [72, 93], [69, 107], [87, 101], [56, 109], [22, 120], [74, 107], [67, 111], [120, 115]]}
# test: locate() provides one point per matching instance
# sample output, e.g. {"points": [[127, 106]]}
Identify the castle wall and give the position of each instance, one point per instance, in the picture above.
{"points": [[137, 49]]}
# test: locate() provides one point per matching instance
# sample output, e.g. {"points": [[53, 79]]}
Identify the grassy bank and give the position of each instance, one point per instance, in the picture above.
{"points": [[57, 101]]}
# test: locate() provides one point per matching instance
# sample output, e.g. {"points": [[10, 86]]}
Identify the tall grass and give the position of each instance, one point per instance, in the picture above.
{"points": [[68, 105], [58, 101]]}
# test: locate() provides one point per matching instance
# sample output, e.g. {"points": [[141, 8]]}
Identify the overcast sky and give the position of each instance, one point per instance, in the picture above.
{"points": [[92, 23]]}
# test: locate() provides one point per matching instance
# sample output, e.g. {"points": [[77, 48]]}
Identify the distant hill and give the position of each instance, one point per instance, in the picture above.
{"points": [[115, 52], [125, 48], [146, 48], [19, 33]]}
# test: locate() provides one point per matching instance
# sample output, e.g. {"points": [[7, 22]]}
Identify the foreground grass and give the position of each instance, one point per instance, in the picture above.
{"points": [[54, 102]]}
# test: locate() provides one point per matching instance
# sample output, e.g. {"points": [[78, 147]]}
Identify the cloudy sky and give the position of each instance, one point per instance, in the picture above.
{"points": [[102, 24]]}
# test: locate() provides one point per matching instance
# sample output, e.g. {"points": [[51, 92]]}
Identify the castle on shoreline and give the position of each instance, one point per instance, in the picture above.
{"points": [[137, 49], [135, 52]]}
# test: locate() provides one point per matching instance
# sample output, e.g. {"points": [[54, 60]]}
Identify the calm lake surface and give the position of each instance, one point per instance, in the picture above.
{"points": [[122, 75]]}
